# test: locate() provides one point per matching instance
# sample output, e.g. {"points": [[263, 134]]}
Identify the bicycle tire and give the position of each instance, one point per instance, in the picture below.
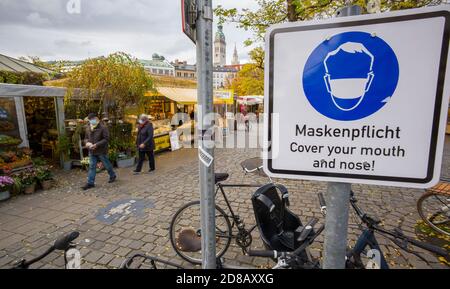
{"points": [[425, 218], [173, 239]]}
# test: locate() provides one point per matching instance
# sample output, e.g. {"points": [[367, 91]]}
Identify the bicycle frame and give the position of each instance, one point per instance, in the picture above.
{"points": [[367, 238], [220, 187]]}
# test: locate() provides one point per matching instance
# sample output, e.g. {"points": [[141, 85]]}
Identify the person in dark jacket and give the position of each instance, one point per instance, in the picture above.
{"points": [[145, 143], [97, 138]]}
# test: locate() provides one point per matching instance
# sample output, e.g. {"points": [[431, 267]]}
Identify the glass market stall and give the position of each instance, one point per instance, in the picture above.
{"points": [[31, 120], [32, 116]]}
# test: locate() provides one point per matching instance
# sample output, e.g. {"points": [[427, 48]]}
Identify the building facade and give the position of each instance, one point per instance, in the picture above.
{"points": [[223, 76], [158, 66], [184, 70]]}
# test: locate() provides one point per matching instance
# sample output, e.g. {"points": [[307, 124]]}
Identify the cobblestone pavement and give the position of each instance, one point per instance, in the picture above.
{"points": [[28, 224]]}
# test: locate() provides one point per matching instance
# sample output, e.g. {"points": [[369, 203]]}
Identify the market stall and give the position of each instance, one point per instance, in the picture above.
{"points": [[32, 115], [21, 107], [250, 103]]}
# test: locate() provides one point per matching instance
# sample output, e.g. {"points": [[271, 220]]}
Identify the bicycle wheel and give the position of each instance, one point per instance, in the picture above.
{"points": [[434, 209], [185, 232]]}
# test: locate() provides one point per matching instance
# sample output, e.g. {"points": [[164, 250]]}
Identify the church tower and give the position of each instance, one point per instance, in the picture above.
{"points": [[220, 48], [235, 60]]}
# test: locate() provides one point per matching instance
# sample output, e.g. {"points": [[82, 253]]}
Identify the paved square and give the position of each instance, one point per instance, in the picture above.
{"points": [[29, 224]]}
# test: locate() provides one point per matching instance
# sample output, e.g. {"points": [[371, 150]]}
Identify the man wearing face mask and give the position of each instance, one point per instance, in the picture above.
{"points": [[97, 138], [145, 143]]}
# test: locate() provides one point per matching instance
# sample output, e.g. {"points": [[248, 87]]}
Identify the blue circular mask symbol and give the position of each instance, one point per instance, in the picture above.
{"points": [[350, 76]]}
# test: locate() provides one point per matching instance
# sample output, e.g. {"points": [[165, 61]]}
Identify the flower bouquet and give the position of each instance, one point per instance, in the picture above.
{"points": [[5, 185]]}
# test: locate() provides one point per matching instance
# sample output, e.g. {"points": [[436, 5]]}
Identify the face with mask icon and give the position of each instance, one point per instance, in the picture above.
{"points": [[348, 75]]}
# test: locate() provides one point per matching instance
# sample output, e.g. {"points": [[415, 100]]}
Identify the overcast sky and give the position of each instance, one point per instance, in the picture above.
{"points": [[44, 28]]}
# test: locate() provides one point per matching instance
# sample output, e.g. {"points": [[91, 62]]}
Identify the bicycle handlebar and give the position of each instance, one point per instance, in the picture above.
{"points": [[323, 204], [63, 243], [264, 253]]}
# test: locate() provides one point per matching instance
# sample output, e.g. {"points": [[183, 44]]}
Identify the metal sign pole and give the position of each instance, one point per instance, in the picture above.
{"points": [[338, 203], [205, 126]]}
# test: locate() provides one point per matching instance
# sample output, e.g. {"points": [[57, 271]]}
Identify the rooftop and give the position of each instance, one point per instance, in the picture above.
{"points": [[157, 61], [183, 65], [15, 65], [219, 34]]}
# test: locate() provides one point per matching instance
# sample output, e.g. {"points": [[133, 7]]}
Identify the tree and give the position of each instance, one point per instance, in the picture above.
{"points": [[278, 11], [250, 79], [116, 81]]}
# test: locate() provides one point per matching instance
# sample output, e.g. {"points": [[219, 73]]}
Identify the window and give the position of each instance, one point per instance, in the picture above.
{"points": [[8, 117]]}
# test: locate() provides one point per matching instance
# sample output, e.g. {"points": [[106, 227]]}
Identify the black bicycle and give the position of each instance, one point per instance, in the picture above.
{"points": [[367, 253], [63, 243], [185, 228], [281, 229]]}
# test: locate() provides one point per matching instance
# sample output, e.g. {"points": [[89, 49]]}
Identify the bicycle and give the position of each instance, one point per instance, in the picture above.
{"points": [[284, 260], [366, 247], [434, 207], [366, 253], [185, 229], [63, 243]]}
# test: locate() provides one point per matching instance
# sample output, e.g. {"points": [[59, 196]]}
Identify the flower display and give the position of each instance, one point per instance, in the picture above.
{"points": [[6, 182]]}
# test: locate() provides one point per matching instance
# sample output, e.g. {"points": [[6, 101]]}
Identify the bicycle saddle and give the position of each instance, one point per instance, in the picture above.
{"points": [[63, 242], [189, 241], [220, 177]]}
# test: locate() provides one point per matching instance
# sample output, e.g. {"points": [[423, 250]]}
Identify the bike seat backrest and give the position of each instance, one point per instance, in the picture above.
{"points": [[276, 223], [63, 242]]}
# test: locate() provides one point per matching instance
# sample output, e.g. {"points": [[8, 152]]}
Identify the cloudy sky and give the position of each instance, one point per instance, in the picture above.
{"points": [[44, 28]]}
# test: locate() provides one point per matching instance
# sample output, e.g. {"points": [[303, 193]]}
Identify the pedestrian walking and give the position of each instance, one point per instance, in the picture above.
{"points": [[145, 143], [97, 138]]}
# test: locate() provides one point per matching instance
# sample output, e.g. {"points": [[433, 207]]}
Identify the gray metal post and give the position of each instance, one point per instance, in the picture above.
{"points": [[205, 127], [336, 225], [338, 203]]}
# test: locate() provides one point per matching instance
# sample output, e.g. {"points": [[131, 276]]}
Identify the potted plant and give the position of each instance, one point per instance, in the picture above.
{"points": [[125, 159], [17, 188], [45, 177], [5, 186], [28, 179], [63, 148], [85, 163], [113, 156]]}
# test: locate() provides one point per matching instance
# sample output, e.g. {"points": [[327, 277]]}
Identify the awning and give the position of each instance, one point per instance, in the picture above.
{"points": [[179, 95], [189, 95], [251, 99], [30, 90]]}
